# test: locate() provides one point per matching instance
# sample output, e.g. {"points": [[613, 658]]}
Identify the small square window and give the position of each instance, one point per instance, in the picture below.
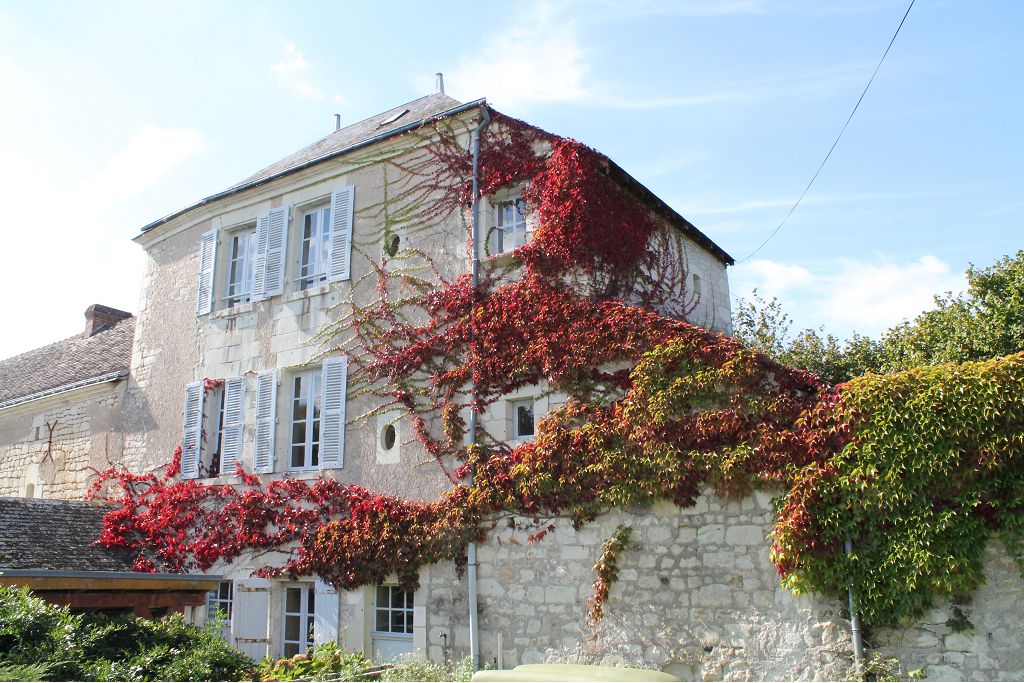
{"points": [[523, 419], [393, 611]]}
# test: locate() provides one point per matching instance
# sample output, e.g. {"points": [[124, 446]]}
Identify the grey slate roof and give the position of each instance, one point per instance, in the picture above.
{"points": [[56, 535], [383, 123], [64, 364]]}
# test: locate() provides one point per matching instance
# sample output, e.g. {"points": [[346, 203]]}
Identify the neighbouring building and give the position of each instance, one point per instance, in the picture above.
{"points": [[61, 408], [48, 546]]}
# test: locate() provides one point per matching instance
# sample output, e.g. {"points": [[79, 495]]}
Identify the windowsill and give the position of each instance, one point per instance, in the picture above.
{"points": [[308, 293], [498, 260], [233, 311]]}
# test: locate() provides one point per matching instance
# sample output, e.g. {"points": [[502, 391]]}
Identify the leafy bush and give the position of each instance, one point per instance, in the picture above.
{"points": [[325, 662], [419, 669], [40, 641]]}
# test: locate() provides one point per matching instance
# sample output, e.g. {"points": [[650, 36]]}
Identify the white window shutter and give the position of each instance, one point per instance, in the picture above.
{"points": [[326, 612], [271, 247], [266, 421], [250, 617], [234, 426], [207, 262], [332, 412], [259, 266], [342, 211], [192, 438]]}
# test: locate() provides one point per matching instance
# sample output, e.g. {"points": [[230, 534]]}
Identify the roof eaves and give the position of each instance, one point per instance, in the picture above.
{"points": [[312, 162], [71, 386], [669, 213]]}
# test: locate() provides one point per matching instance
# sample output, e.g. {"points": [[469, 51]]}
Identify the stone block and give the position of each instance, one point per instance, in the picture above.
{"points": [[715, 595], [560, 594], [744, 535], [711, 534], [943, 673]]}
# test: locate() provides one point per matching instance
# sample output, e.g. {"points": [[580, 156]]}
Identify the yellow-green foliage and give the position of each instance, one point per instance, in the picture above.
{"points": [[935, 465]]}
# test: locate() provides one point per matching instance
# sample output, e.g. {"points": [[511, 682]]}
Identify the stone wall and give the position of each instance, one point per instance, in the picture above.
{"points": [[85, 434], [697, 596]]}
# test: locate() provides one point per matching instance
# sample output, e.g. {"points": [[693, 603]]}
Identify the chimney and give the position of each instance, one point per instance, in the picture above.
{"points": [[440, 82], [99, 318], [337, 122]]}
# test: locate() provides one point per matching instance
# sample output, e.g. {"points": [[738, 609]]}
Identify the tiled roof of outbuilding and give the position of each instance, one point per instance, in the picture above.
{"points": [[66, 363], [56, 535]]}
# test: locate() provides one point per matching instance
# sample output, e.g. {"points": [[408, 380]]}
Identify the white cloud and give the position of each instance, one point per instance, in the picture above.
{"points": [[846, 295], [537, 59], [875, 296], [293, 73]]}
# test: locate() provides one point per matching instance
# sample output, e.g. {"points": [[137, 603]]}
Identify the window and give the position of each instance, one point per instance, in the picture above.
{"points": [[696, 285], [241, 258], [523, 420], [393, 611], [305, 424], [509, 225], [213, 428], [299, 609], [316, 247], [218, 604]]}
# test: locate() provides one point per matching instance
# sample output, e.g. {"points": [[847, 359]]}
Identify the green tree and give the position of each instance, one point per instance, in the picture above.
{"points": [[985, 322]]}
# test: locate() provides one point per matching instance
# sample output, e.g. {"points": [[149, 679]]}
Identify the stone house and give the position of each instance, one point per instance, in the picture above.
{"points": [[61, 408], [236, 288], [238, 285]]}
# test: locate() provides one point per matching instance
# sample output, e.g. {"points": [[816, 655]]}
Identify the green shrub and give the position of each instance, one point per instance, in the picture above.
{"points": [[40, 641], [325, 662], [420, 669]]}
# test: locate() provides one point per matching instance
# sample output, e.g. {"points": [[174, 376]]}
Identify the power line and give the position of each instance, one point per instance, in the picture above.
{"points": [[832, 148]]}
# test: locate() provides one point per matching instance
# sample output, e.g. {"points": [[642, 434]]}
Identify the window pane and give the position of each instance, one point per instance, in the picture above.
{"points": [[524, 420], [383, 599], [291, 649], [298, 456], [293, 602], [291, 627], [310, 604], [398, 622], [381, 623]]}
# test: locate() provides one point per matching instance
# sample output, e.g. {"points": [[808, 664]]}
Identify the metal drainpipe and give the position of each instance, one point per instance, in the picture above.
{"points": [[474, 634], [858, 644]]}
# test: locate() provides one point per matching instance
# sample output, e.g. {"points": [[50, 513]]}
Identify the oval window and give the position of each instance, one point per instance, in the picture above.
{"points": [[391, 244], [388, 437]]}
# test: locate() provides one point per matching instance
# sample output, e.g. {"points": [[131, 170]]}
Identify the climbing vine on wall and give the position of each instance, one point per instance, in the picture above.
{"points": [[918, 468]]}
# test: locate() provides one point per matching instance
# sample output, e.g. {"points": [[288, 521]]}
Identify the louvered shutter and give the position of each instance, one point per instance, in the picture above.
{"points": [[207, 261], [326, 612], [266, 419], [233, 430], [259, 266], [271, 246], [332, 412], [250, 617], [192, 438], [342, 211]]}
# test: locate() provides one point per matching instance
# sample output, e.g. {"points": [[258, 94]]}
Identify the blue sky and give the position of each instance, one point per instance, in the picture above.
{"points": [[118, 113]]}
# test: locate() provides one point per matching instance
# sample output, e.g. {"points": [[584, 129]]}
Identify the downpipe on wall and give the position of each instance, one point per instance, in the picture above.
{"points": [[855, 634], [474, 630]]}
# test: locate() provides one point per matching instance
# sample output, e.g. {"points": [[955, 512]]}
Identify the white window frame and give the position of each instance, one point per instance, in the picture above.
{"points": [[408, 610], [306, 615], [312, 392], [517, 228], [247, 260], [315, 274], [514, 406], [221, 599]]}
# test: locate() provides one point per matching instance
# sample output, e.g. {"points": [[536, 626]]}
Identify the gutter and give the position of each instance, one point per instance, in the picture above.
{"points": [[231, 191], [134, 576], [80, 384], [474, 630]]}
